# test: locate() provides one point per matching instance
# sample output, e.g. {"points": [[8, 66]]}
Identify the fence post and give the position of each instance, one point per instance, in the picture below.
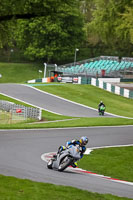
{"points": [[40, 114]]}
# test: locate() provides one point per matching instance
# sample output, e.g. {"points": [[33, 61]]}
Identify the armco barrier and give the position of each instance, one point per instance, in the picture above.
{"points": [[20, 110]]}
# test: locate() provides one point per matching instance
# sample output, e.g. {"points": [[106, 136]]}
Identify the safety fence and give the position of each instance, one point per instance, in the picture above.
{"points": [[20, 112]]}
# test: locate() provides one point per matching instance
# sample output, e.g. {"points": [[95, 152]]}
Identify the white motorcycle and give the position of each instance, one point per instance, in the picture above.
{"points": [[65, 159]]}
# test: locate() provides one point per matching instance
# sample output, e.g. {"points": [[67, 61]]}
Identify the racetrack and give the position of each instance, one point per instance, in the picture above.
{"points": [[21, 150], [47, 101]]}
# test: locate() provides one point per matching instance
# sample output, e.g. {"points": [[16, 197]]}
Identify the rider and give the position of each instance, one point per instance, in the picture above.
{"points": [[81, 143], [100, 104]]}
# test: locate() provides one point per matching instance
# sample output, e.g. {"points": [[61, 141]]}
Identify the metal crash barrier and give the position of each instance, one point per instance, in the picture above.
{"points": [[20, 112]]}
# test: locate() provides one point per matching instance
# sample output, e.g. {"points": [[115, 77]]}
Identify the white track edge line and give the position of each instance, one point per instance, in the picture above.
{"points": [[69, 128], [29, 103], [74, 102]]}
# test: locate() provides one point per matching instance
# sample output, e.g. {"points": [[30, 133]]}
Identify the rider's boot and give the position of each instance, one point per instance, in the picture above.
{"points": [[74, 165]]}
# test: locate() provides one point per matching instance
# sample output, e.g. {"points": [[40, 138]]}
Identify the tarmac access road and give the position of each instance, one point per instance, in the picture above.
{"points": [[21, 150]]}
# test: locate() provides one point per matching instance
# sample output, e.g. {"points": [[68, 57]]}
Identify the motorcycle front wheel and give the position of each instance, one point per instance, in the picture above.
{"points": [[49, 164], [103, 113], [65, 162]]}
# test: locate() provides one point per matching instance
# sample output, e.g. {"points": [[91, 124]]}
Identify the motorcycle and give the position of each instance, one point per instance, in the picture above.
{"points": [[65, 159], [101, 110]]}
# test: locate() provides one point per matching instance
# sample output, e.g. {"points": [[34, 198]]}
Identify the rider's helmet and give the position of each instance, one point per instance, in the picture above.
{"points": [[83, 141], [101, 101]]}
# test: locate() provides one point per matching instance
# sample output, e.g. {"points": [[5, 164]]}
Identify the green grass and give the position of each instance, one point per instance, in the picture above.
{"points": [[114, 162], [17, 189], [5, 121], [18, 72], [6, 118], [45, 114], [110, 162], [82, 122], [90, 95], [77, 122]]}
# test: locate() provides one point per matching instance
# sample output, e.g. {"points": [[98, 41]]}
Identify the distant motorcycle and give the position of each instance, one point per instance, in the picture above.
{"points": [[101, 110], [65, 159]]}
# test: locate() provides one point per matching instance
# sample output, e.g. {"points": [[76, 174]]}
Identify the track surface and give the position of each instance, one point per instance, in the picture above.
{"points": [[47, 101], [21, 150]]}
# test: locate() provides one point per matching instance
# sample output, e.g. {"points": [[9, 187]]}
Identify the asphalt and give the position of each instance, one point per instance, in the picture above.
{"points": [[21, 150], [47, 101]]}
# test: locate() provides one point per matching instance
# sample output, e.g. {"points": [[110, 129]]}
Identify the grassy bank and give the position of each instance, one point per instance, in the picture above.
{"points": [[76, 122], [113, 162], [18, 72], [91, 96], [16, 189]]}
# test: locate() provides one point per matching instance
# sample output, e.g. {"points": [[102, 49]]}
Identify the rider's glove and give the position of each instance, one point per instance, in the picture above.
{"points": [[67, 144]]}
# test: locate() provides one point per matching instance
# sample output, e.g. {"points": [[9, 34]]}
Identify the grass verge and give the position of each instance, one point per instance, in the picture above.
{"points": [[80, 122], [16, 189], [113, 162]]}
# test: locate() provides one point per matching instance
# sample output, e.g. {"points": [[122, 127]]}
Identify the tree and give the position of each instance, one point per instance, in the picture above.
{"points": [[125, 28], [105, 25], [52, 37]]}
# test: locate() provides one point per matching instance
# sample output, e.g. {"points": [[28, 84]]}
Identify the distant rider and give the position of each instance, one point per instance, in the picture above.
{"points": [[100, 104], [81, 143]]}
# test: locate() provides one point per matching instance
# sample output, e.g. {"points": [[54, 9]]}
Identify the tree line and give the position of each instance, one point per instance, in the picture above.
{"points": [[51, 30]]}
